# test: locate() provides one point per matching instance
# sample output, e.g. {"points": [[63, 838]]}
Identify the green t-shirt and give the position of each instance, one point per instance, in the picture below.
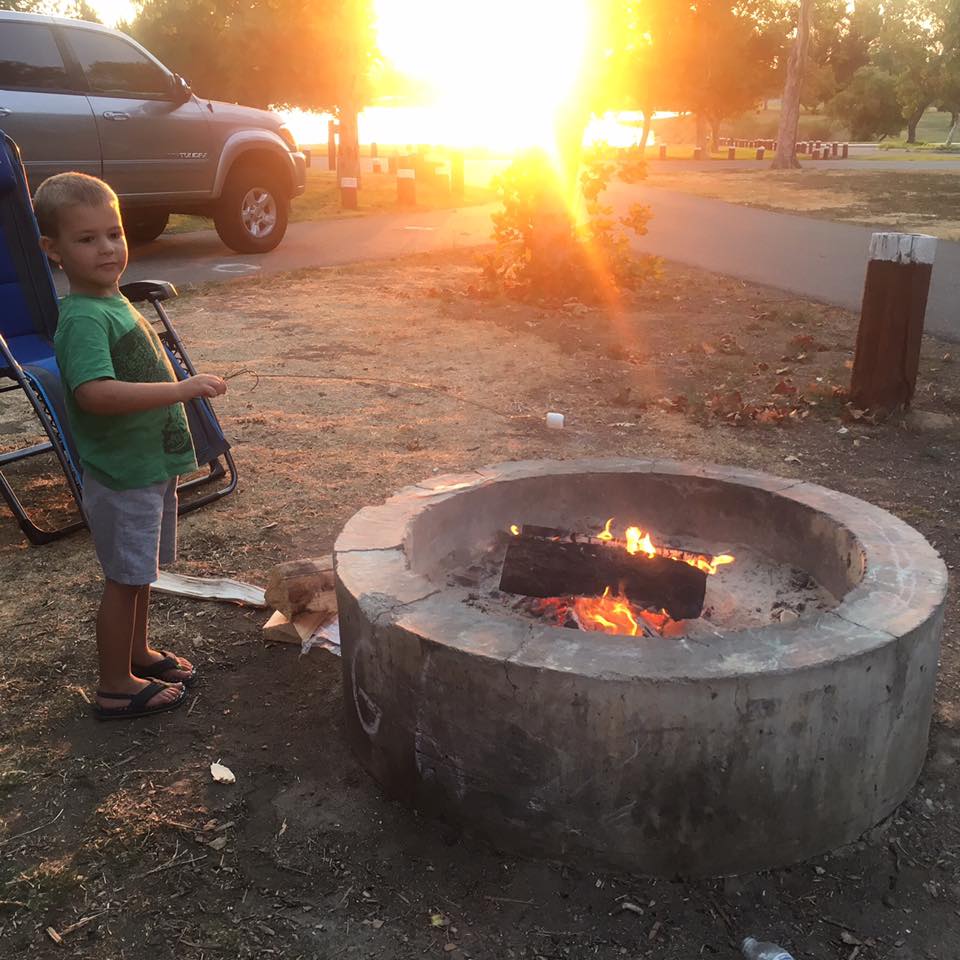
{"points": [[101, 338]]}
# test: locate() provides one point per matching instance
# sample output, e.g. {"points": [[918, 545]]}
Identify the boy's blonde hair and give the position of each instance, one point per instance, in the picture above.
{"points": [[68, 190]]}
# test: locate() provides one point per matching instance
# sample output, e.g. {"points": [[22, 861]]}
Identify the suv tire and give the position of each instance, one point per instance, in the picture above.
{"points": [[142, 226], [252, 213]]}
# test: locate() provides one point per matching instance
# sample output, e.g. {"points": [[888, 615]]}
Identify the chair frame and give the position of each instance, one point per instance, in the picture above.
{"points": [[150, 291]]}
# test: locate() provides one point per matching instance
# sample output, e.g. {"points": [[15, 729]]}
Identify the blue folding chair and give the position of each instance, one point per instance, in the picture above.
{"points": [[28, 319]]}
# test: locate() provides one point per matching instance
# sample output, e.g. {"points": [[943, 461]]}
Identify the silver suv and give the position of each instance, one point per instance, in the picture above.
{"points": [[79, 96]]}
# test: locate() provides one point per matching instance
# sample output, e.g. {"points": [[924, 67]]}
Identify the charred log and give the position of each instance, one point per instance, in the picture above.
{"points": [[549, 566]]}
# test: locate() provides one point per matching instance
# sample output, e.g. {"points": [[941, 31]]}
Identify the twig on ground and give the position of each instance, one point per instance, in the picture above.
{"points": [[82, 922], [174, 862], [508, 900], [27, 833]]}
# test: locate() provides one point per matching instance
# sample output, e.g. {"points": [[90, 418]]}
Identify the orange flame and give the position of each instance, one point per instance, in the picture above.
{"points": [[639, 541], [616, 615], [514, 529]]}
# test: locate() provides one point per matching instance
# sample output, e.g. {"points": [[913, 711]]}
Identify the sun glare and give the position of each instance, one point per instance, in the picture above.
{"points": [[499, 72]]}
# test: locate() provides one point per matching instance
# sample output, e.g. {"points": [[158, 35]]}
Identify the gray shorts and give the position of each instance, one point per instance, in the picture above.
{"points": [[134, 531]]}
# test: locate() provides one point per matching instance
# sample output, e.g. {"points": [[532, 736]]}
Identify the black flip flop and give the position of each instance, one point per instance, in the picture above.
{"points": [[155, 671], [137, 703]]}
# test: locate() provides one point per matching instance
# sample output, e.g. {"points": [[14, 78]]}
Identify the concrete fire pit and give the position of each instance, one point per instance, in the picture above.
{"points": [[754, 748]]}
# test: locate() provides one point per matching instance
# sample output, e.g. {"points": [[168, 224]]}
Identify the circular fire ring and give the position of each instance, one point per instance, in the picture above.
{"points": [[757, 748]]}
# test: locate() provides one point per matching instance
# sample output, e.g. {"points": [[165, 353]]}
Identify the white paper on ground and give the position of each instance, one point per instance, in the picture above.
{"points": [[324, 638], [221, 774], [210, 588]]}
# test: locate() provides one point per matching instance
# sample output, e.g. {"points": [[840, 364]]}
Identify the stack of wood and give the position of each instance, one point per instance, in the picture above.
{"points": [[302, 594]]}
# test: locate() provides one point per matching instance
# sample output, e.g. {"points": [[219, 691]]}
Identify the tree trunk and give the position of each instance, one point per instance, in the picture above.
{"points": [[954, 123], [349, 159], [912, 122], [647, 125], [715, 135], [701, 132], [786, 158]]}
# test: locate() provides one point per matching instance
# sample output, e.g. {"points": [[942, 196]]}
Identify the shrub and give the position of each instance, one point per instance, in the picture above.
{"points": [[544, 250]]}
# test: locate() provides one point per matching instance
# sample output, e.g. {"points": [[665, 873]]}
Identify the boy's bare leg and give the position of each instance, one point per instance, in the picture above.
{"points": [[143, 653], [116, 621]]}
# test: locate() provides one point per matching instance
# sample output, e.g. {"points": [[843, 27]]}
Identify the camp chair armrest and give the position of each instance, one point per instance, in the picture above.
{"points": [[153, 290]]}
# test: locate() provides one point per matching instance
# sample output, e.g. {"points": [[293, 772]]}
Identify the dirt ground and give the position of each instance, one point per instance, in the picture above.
{"points": [[914, 202], [363, 380]]}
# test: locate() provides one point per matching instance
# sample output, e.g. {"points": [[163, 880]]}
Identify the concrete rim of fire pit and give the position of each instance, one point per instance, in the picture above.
{"points": [[843, 695]]}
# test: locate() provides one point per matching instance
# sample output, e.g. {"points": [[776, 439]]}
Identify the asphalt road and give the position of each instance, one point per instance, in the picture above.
{"points": [[818, 259]]}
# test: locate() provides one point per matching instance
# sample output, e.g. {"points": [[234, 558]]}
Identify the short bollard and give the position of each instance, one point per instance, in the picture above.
{"points": [[348, 193], [834, 150], [845, 151], [891, 320], [731, 153], [826, 151], [406, 187], [663, 151], [760, 152]]}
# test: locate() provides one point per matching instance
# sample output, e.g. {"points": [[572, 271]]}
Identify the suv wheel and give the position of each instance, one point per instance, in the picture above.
{"points": [[142, 226], [252, 214]]}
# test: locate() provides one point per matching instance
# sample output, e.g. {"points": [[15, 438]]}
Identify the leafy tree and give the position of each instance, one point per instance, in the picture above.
{"points": [[909, 47], [950, 79], [869, 106], [60, 8], [314, 54]]}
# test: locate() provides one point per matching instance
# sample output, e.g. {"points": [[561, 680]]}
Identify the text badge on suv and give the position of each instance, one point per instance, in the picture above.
{"points": [[79, 96]]}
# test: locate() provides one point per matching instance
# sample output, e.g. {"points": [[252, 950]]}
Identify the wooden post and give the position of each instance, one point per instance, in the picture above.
{"points": [[663, 151], [457, 188], [845, 152], [760, 152], [834, 150], [891, 320], [331, 145], [826, 151], [731, 153], [406, 186]]}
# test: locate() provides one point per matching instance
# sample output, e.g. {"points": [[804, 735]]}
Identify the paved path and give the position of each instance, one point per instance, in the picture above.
{"points": [[813, 258]]}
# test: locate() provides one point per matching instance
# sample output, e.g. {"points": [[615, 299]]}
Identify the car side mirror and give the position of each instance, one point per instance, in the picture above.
{"points": [[179, 89]]}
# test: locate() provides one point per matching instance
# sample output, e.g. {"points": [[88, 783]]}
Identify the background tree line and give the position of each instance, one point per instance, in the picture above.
{"points": [[873, 67]]}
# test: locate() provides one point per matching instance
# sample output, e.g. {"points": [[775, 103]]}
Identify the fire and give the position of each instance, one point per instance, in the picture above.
{"points": [[514, 529], [606, 614], [639, 541]]}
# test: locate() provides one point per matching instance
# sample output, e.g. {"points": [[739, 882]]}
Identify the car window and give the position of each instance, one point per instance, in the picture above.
{"points": [[30, 58], [115, 67]]}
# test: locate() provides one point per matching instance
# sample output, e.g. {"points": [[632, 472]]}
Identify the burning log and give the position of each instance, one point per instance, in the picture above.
{"points": [[541, 562]]}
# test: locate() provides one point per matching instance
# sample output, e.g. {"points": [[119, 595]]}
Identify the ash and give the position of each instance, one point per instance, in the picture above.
{"points": [[753, 591]]}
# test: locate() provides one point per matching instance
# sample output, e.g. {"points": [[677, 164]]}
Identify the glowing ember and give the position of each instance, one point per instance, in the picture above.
{"points": [[606, 614]]}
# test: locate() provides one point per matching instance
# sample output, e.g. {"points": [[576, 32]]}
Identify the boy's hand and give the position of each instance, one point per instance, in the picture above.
{"points": [[203, 385]]}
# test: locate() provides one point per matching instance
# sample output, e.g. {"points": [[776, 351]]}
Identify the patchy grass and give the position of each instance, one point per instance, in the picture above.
{"points": [[925, 202], [366, 379], [378, 194]]}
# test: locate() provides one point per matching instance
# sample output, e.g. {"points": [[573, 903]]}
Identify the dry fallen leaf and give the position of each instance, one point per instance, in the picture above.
{"points": [[221, 774]]}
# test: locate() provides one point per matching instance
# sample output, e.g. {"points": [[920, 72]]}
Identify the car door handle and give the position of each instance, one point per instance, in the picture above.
{"points": [[5, 111], [115, 115]]}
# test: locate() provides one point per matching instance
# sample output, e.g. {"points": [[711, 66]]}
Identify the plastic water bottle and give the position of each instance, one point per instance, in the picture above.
{"points": [[759, 950]]}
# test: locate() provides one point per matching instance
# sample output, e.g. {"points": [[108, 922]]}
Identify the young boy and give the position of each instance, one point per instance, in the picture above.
{"points": [[125, 407]]}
